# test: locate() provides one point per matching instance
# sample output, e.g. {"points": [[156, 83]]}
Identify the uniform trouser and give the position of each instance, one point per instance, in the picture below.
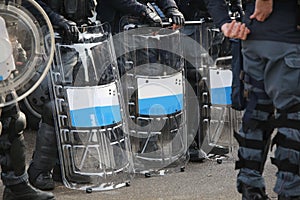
{"points": [[45, 155], [277, 65], [46, 152], [12, 146]]}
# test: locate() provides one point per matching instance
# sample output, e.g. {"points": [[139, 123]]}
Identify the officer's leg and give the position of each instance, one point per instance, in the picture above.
{"points": [[196, 87], [254, 139], [45, 153], [194, 104], [285, 93], [12, 149], [287, 154]]}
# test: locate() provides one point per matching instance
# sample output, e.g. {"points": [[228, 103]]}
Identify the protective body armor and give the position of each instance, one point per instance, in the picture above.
{"points": [[76, 10]]}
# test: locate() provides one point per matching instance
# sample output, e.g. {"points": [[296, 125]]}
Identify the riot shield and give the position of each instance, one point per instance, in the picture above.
{"points": [[196, 60], [208, 72], [154, 85], [91, 130], [26, 49], [222, 120]]}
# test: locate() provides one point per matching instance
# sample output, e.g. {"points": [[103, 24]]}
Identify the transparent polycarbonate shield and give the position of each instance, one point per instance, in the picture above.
{"points": [[93, 135], [155, 91], [26, 49], [222, 120], [197, 63]]}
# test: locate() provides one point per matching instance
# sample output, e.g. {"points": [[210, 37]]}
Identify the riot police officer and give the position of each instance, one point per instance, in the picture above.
{"points": [[271, 76], [12, 125], [66, 19]]}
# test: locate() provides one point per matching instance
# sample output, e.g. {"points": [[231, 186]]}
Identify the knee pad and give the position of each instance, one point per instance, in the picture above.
{"points": [[20, 123], [14, 125]]}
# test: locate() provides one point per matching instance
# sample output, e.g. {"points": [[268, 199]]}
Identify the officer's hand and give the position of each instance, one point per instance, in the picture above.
{"points": [[235, 30], [151, 17], [263, 8], [70, 30], [176, 16]]}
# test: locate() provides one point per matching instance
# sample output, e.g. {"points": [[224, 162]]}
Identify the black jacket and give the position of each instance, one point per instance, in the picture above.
{"points": [[193, 9], [112, 10], [280, 26], [56, 17]]}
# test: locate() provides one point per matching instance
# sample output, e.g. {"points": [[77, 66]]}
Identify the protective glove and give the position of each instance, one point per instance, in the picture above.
{"points": [[176, 16], [151, 17], [70, 30]]}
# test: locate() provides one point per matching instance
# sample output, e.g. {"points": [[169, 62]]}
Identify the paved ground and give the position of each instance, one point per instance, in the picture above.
{"points": [[202, 181]]}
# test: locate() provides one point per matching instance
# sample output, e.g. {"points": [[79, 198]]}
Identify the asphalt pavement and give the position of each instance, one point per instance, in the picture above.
{"points": [[206, 180]]}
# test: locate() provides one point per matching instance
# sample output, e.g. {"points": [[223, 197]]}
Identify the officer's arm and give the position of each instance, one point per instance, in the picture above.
{"points": [[219, 12], [132, 7], [70, 29], [166, 4], [170, 8], [51, 14]]}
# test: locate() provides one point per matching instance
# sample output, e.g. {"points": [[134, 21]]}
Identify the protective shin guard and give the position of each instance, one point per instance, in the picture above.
{"points": [[46, 153], [254, 142], [15, 148]]}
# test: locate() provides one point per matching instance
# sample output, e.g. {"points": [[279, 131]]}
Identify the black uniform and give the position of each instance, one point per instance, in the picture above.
{"points": [[193, 9], [112, 11], [66, 20], [12, 147]]}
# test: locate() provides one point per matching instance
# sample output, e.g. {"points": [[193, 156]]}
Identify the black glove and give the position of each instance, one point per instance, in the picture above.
{"points": [[175, 15], [70, 30], [151, 17]]}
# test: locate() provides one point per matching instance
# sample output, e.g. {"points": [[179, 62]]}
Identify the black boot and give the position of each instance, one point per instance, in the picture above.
{"points": [[218, 150], [57, 176], [24, 191], [42, 181], [253, 193], [196, 154], [44, 158], [281, 197]]}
